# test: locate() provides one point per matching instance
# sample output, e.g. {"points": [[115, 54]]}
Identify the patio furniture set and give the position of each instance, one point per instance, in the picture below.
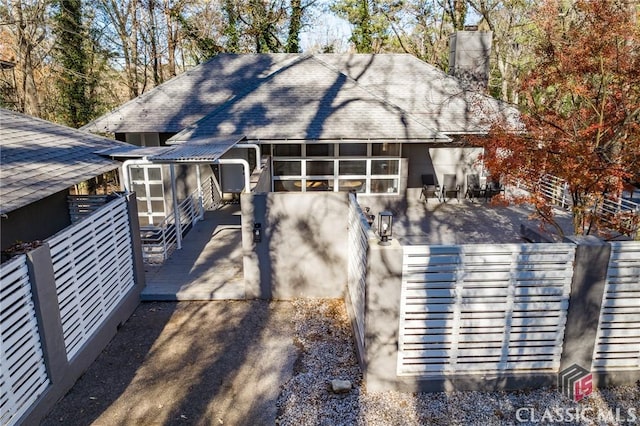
{"points": [[451, 189]]}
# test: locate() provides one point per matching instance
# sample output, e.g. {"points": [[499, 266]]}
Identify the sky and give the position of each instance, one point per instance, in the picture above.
{"points": [[325, 28]]}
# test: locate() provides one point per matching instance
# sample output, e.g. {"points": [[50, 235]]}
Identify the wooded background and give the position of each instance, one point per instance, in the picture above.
{"points": [[572, 67], [73, 59]]}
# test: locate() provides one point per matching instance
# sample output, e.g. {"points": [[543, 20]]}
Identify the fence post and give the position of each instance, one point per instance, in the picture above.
{"points": [[47, 311], [136, 241], [382, 314], [585, 301], [45, 298]]}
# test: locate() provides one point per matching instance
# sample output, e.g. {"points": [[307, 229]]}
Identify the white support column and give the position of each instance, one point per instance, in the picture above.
{"points": [[200, 196], [176, 212]]}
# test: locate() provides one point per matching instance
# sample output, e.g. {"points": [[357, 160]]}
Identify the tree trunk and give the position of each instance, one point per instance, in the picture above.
{"points": [[29, 102], [295, 24], [133, 46], [172, 37], [153, 39]]}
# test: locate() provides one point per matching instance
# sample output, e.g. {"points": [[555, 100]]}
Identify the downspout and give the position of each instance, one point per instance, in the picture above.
{"points": [[254, 146], [125, 170], [245, 165]]}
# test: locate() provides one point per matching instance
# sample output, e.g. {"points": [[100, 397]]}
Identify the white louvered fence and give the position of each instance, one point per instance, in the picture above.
{"points": [[356, 281], [618, 339], [93, 269], [23, 375], [483, 308]]}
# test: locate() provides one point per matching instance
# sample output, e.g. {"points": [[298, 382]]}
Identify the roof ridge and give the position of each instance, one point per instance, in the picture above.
{"points": [[172, 81], [463, 89], [377, 96], [244, 92], [147, 94]]}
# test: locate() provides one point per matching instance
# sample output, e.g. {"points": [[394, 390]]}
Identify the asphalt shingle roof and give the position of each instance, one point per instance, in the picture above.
{"points": [[436, 99], [295, 96], [39, 158], [190, 96], [310, 101]]}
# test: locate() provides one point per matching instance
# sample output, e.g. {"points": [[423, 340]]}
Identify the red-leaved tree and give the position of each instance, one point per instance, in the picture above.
{"points": [[580, 112]]}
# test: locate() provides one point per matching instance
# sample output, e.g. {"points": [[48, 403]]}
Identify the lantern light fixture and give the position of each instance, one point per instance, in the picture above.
{"points": [[385, 227]]}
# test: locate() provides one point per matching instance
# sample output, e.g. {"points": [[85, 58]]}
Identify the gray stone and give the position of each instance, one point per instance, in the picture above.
{"points": [[340, 386]]}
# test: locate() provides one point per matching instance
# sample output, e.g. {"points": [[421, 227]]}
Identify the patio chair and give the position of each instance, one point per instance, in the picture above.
{"points": [[474, 190], [493, 188], [430, 188], [450, 187]]}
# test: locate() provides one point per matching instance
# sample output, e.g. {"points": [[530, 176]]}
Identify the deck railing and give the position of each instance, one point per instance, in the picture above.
{"points": [[614, 212], [159, 241]]}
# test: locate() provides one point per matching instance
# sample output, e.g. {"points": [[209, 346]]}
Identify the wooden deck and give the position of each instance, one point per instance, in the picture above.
{"points": [[209, 265]]}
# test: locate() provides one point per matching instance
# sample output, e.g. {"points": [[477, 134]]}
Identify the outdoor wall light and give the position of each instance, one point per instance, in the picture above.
{"points": [[385, 227], [257, 232], [370, 217]]}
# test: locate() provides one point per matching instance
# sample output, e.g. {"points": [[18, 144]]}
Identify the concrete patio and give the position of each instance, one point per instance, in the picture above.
{"points": [[461, 221]]}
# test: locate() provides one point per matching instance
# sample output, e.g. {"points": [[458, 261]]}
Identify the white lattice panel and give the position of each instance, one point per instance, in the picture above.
{"points": [[23, 375], [93, 268], [618, 339], [483, 308]]}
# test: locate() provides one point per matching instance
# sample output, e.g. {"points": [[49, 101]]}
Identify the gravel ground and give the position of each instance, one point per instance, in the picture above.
{"points": [[324, 339]]}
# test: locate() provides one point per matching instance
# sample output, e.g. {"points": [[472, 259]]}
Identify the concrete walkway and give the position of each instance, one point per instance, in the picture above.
{"points": [[209, 265]]}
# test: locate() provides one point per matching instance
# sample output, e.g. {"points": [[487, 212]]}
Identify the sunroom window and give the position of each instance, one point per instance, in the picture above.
{"points": [[372, 168]]}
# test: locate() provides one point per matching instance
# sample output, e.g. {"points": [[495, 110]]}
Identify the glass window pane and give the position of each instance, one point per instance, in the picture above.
{"points": [[319, 168], [139, 189], [352, 185], [136, 173], [287, 150], [384, 167], [155, 190], [320, 150], [142, 206], [385, 149], [287, 168], [353, 150], [379, 186], [155, 173], [157, 206], [318, 185], [353, 167], [287, 186]]}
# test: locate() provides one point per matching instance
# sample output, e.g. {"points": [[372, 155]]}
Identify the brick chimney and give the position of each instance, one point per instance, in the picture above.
{"points": [[469, 58]]}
